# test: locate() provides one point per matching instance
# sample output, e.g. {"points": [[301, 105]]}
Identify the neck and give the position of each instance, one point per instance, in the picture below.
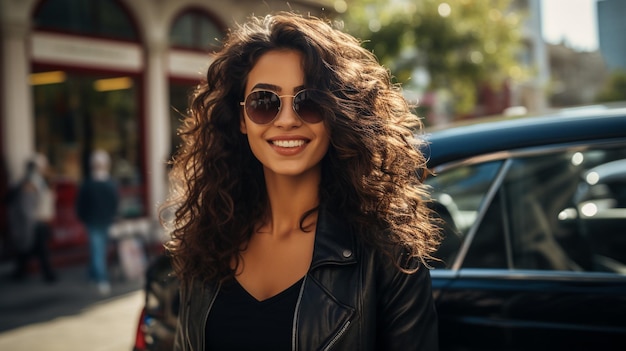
{"points": [[289, 198]]}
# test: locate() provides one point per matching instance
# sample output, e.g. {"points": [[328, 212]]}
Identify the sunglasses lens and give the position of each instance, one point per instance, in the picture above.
{"points": [[262, 106], [306, 107]]}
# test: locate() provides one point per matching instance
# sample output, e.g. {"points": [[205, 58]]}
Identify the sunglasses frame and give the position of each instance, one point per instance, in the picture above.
{"points": [[280, 100]]}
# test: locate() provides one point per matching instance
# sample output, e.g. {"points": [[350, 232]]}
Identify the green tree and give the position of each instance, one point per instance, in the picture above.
{"points": [[615, 89], [461, 44]]}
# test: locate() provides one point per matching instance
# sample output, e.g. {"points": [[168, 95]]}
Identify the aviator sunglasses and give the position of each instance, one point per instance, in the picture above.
{"points": [[262, 106]]}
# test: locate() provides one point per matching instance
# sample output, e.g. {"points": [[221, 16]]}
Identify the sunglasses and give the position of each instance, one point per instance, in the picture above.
{"points": [[262, 106]]}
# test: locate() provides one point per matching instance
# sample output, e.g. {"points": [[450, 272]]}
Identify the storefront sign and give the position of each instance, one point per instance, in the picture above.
{"points": [[83, 52]]}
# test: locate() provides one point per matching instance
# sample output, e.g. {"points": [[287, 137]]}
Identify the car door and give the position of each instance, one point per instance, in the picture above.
{"points": [[536, 268]]}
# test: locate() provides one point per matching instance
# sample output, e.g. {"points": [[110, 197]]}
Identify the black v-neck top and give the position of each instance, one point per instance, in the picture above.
{"points": [[238, 321]]}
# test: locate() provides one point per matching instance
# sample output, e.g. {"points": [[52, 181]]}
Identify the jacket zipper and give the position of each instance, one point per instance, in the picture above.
{"points": [[206, 316], [294, 331], [334, 340]]}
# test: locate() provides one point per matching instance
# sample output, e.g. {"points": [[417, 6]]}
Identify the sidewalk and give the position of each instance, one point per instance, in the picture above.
{"points": [[34, 301], [106, 326]]}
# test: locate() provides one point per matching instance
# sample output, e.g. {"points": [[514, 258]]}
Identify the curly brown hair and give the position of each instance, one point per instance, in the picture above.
{"points": [[368, 174]]}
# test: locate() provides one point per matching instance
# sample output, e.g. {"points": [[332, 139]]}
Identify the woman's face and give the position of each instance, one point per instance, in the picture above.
{"points": [[286, 145]]}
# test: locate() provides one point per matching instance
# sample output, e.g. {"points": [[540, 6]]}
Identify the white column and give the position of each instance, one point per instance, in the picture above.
{"points": [[18, 126], [157, 124], [540, 59]]}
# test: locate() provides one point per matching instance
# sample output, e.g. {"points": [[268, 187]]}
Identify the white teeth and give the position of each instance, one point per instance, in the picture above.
{"points": [[288, 143]]}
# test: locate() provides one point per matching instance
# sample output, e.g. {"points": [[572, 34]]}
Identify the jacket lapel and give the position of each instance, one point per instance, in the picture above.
{"points": [[321, 318], [334, 241]]}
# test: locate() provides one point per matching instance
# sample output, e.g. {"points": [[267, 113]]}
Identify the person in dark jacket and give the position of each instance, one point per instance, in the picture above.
{"points": [[96, 207], [297, 217], [31, 211]]}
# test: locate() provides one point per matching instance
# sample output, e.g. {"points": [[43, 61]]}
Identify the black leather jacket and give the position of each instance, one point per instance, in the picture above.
{"points": [[350, 300]]}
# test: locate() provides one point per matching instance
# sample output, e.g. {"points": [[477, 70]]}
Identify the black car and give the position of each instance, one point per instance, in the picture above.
{"points": [[534, 255]]}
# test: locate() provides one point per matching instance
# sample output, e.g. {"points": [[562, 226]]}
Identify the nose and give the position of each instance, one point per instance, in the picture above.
{"points": [[287, 117]]}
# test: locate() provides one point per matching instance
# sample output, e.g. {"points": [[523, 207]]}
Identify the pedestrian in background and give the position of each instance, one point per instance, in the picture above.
{"points": [[31, 211], [298, 219], [96, 205]]}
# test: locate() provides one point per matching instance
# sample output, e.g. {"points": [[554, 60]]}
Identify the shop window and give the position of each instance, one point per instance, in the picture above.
{"points": [[99, 18], [76, 113], [197, 31], [179, 101]]}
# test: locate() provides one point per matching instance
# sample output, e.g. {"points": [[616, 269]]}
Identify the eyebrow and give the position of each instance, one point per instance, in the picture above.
{"points": [[274, 88]]}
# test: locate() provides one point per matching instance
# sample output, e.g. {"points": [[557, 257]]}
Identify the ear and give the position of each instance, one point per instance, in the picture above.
{"points": [[242, 125]]}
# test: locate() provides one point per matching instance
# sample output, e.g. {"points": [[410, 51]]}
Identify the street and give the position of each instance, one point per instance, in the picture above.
{"points": [[68, 315]]}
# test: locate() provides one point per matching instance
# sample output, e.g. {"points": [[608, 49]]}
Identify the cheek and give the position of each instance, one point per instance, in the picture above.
{"points": [[325, 147], [324, 134]]}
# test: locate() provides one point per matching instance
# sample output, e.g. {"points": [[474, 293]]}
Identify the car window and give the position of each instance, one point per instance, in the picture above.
{"points": [[458, 194], [560, 211]]}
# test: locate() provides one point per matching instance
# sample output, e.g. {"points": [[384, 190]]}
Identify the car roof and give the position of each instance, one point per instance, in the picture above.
{"points": [[478, 137]]}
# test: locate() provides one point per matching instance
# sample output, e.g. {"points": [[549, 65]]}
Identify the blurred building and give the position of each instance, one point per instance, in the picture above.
{"points": [[611, 29], [576, 76], [531, 93], [112, 74]]}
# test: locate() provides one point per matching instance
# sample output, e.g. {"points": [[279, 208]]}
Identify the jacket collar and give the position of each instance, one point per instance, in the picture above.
{"points": [[334, 240]]}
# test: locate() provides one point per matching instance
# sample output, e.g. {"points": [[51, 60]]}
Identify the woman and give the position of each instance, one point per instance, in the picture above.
{"points": [[299, 222]]}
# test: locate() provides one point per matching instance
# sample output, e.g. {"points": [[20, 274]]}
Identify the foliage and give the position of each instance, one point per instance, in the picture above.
{"points": [[460, 43], [615, 89]]}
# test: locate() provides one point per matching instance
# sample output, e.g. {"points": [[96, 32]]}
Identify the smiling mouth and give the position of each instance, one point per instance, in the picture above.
{"points": [[288, 143]]}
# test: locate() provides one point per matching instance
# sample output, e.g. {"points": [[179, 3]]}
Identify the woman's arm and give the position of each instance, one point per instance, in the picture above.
{"points": [[407, 316]]}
